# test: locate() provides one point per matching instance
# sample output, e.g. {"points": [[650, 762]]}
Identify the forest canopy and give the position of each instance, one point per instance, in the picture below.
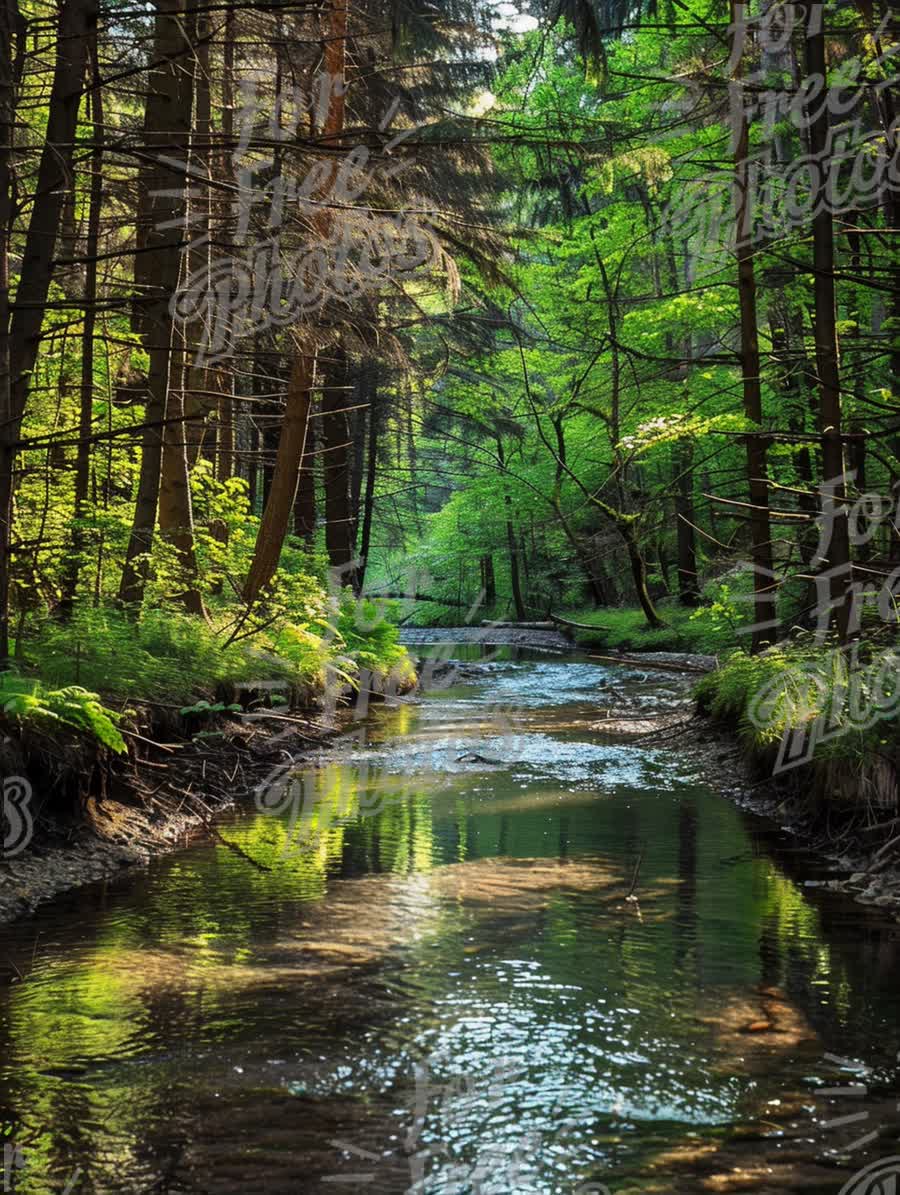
{"points": [[580, 310]]}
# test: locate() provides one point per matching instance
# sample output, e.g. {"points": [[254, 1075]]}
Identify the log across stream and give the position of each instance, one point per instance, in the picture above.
{"points": [[480, 944]]}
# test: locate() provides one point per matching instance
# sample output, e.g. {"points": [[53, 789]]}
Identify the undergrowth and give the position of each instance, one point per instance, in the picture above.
{"points": [[372, 639], [626, 629], [27, 701], [165, 655], [171, 657], [845, 706]]}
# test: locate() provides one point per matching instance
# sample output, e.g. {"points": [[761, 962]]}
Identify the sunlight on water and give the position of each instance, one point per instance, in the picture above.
{"points": [[421, 965]]}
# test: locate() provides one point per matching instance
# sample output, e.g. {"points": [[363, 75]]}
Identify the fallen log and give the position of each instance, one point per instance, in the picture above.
{"points": [[419, 597], [519, 626], [637, 662], [578, 626]]}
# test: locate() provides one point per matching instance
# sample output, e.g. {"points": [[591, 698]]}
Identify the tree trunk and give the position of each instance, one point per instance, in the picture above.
{"points": [[639, 576], [336, 470], [582, 555], [226, 463], [263, 384], [786, 327], [365, 541], [199, 403], [623, 521], [253, 466], [279, 501], [358, 430], [688, 587], [489, 581], [11, 34], [305, 501], [269, 433], [86, 406], [188, 381], [167, 130], [837, 563], [887, 112], [335, 427], [765, 616], [276, 518], [514, 575], [77, 19], [182, 440], [176, 516], [685, 521]]}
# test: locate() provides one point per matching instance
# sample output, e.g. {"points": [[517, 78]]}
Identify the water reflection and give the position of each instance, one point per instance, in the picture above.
{"points": [[481, 950]]}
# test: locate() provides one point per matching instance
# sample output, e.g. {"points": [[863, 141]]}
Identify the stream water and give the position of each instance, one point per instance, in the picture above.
{"points": [[480, 946]]}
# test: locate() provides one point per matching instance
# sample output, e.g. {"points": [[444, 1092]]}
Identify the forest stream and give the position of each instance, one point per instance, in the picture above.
{"points": [[477, 946]]}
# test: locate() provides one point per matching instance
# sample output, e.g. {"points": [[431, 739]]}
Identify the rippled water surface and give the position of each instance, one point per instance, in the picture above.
{"points": [[479, 947]]}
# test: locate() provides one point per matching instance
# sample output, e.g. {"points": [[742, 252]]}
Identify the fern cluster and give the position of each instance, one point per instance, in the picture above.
{"points": [[789, 687], [169, 656], [371, 638], [24, 701]]}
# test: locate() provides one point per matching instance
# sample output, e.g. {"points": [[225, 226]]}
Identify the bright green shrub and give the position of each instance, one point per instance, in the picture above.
{"points": [[369, 637], [25, 701]]}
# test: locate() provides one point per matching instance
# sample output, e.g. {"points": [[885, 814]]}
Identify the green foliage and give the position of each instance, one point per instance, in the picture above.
{"points": [[371, 639], [557, 429], [728, 605], [616, 376], [729, 692], [200, 709], [23, 700], [625, 629], [165, 655], [786, 688], [307, 652], [169, 656]]}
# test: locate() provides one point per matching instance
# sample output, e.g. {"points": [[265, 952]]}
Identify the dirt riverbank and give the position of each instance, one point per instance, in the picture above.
{"points": [[153, 802], [165, 793]]}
